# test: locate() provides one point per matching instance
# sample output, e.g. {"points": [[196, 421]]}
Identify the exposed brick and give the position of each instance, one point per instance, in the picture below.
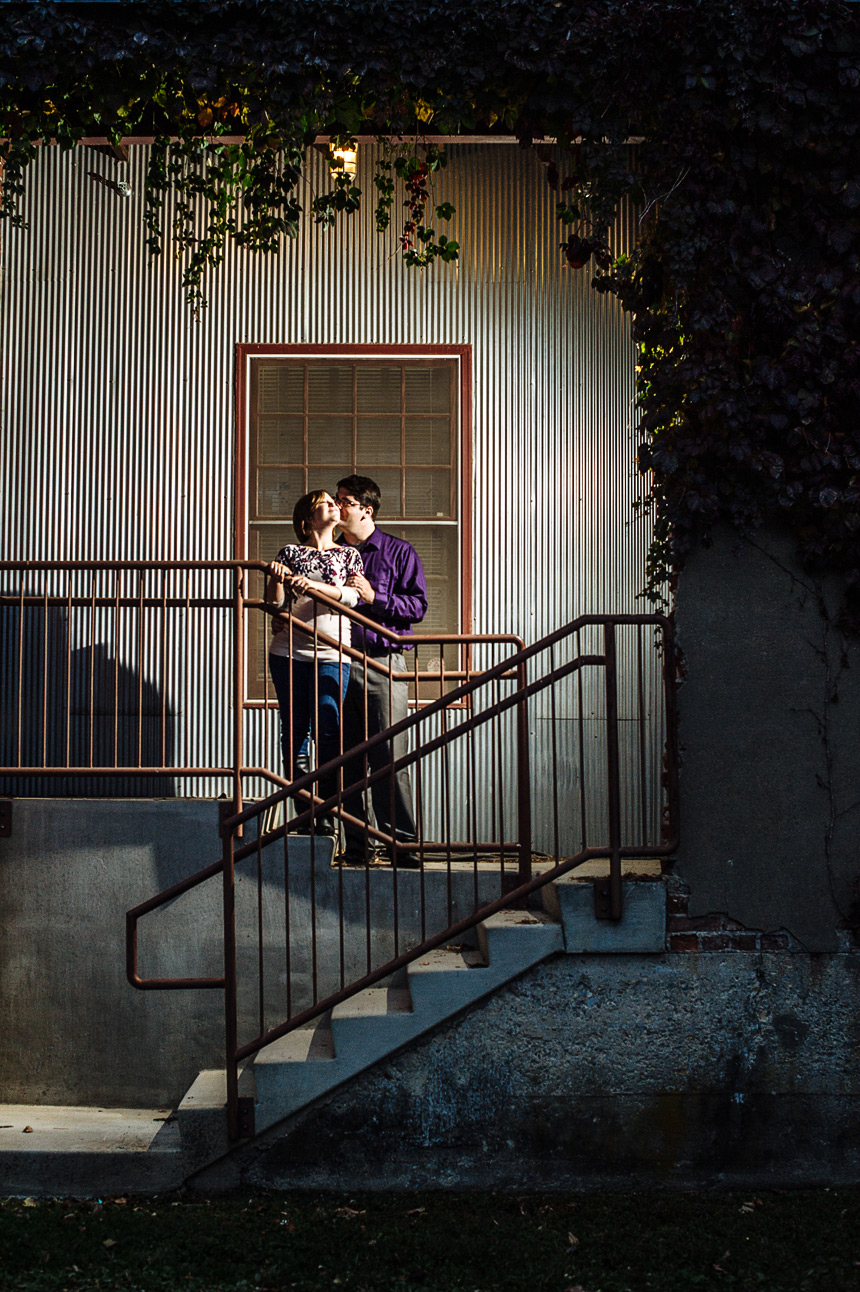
{"points": [[745, 941], [712, 923], [774, 942], [682, 924], [678, 904], [683, 942], [701, 924], [715, 942]]}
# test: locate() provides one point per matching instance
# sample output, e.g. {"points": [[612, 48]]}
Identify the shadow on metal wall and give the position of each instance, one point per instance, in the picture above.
{"points": [[62, 707]]}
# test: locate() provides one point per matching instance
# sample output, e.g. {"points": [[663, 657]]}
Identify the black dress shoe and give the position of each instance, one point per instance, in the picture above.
{"points": [[408, 861], [356, 857]]}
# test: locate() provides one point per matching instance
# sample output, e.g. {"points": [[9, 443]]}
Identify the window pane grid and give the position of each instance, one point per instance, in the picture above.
{"points": [[391, 419]]}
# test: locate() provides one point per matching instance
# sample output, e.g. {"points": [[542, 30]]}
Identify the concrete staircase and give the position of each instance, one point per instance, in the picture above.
{"points": [[62, 1150], [310, 1062]]}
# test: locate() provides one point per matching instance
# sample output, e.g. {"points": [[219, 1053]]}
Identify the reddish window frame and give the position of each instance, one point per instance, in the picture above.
{"points": [[247, 350]]}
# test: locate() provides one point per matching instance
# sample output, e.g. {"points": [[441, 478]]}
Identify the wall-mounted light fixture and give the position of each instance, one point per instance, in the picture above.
{"points": [[344, 158]]}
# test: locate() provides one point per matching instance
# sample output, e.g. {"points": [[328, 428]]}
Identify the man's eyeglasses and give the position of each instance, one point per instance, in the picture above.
{"points": [[347, 502]]}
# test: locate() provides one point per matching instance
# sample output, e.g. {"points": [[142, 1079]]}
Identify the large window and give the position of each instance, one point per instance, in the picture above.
{"points": [[311, 419]]}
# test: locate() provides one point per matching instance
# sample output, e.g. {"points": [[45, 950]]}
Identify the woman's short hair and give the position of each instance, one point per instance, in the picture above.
{"points": [[304, 510]]}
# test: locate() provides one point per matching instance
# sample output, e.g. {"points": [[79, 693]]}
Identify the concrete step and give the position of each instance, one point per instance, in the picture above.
{"points": [[62, 1151], [313, 1060], [379, 1021], [642, 927]]}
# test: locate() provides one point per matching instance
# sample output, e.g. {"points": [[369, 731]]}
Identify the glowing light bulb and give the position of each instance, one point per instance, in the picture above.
{"points": [[344, 158]]}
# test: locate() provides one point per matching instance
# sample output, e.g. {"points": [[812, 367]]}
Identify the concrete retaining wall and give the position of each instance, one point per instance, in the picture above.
{"points": [[605, 1071], [75, 1032]]}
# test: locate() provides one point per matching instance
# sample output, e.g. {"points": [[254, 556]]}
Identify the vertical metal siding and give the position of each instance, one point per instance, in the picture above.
{"points": [[117, 406]]}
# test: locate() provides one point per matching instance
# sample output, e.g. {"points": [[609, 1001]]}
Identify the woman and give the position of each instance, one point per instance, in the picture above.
{"points": [[310, 677]]}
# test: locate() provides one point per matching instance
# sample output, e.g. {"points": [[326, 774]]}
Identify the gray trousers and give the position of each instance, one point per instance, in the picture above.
{"points": [[386, 704]]}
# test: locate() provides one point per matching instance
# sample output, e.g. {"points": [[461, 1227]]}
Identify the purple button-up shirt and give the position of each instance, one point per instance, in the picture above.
{"points": [[393, 569]]}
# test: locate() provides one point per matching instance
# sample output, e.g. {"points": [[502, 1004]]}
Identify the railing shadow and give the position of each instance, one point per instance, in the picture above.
{"points": [[81, 708]]}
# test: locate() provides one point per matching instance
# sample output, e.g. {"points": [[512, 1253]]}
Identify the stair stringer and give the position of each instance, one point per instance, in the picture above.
{"points": [[313, 1061]]}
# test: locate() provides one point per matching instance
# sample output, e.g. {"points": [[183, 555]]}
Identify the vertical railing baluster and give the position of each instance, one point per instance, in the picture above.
{"points": [[419, 807], [163, 668], [116, 649], [186, 752], [583, 810], [231, 1021], [472, 812], [288, 944], [238, 687], [289, 743], [499, 823], [261, 985], [92, 678], [612, 769], [68, 759], [445, 789], [364, 810], [313, 896], [392, 797], [20, 706], [643, 765], [45, 671], [554, 739], [140, 652], [524, 795], [338, 824]]}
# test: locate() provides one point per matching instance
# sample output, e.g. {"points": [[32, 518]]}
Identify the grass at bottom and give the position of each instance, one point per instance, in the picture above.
{"points": [[792, 1241]]}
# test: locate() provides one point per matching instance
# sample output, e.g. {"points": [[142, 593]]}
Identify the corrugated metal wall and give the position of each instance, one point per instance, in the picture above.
{"points": [[117, 407]]}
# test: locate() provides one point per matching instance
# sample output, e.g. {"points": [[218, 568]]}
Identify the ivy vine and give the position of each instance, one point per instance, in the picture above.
{"points": [[744, 285]]}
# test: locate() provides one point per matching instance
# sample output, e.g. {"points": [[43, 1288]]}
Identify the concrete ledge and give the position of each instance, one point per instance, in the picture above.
{"points": [[642, 927], [65, 1151]]}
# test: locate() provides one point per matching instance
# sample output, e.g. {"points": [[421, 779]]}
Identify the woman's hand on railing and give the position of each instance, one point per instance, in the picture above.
{"points": [[279, 575]]}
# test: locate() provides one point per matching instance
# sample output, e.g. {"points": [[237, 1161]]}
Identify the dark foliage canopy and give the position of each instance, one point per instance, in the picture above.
{"points": [[744, 289]]}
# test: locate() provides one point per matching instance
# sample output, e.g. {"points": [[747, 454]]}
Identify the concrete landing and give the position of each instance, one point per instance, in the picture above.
{"points": [[88, 1152], [642, 927]]}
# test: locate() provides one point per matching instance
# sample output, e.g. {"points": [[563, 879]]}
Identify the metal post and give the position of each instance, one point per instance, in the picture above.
{"points": [[524, 790], [238, 691], [612, 771], [230, 985], [231, 1027]]}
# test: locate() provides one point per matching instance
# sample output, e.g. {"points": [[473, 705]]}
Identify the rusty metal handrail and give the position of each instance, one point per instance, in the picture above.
{"points": [[527, 883], [512, 668], [239, 605]]}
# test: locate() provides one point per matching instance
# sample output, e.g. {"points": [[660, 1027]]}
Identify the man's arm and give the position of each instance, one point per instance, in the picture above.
{"points": [[407, 595]]}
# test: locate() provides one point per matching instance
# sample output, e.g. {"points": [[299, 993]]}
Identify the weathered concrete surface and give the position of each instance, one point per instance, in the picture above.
{"points": [[642, 926], [770, 736], [86, 1152], [611, 1070], [75, 1032]]}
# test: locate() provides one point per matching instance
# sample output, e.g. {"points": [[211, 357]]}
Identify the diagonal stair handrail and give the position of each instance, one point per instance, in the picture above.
{"points": [[527, 883]]}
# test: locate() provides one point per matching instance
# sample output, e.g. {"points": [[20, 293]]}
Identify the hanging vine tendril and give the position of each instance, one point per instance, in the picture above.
{"points": [[743, 280]]}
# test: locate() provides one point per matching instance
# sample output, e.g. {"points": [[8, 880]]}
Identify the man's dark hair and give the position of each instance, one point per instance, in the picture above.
{"points": [[363, 490]]}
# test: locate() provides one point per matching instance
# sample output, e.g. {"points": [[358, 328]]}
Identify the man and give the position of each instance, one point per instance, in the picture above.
{"points": [[393, 592]]}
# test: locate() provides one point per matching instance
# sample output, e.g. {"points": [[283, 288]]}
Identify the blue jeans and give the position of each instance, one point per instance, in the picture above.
{"points": [[297, 704]]}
